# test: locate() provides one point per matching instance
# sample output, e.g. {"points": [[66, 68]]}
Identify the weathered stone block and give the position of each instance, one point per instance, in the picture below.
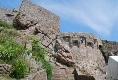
{"points": [[46, 41]]}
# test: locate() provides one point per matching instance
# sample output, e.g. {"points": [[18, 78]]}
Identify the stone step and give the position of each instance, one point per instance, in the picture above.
{"points": [[62, 77], [56, 74]]}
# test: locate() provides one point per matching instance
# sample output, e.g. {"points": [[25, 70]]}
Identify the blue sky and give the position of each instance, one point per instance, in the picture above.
{"points": [[99, 17]]}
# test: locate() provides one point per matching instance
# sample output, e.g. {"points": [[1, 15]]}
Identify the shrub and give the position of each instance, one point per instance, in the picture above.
{"points": [[47, 66], [19, 69], [38, 50], [9, 48], [101, 48], [40, 54]]}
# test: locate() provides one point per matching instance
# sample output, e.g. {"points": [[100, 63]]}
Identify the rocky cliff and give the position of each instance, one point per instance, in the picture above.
{"points": [[71, 50]]}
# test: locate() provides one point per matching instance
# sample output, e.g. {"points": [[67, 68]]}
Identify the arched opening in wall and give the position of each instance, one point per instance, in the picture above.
{"points": [[90, 44], [82, 38], [75, 43], [66, 38]]}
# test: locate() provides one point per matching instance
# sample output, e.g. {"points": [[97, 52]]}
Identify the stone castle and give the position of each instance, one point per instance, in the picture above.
{"points": [[78, 49]]}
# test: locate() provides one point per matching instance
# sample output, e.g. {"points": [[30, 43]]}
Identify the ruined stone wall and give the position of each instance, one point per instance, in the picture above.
{"points": [[45, 18], [62, 73], [7, 15], [79, 49], [43, 23], [85, 51], [76, 38]]}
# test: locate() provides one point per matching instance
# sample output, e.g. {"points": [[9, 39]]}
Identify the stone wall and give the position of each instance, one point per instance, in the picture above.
{"points": [[62, 73], [76, 38], [45, 18], [81, 50], [38, 21], [84, 49], [7, 15]]}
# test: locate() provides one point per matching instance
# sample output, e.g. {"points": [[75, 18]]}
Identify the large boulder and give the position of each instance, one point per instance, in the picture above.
{"points": [[63, 53]]}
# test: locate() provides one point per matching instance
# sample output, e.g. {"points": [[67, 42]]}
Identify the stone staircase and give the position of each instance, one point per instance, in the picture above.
{"points": [[60, 73]]}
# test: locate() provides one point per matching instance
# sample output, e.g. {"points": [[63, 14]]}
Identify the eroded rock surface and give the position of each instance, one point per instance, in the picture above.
{"points": [[5, 69], [63, 52]]}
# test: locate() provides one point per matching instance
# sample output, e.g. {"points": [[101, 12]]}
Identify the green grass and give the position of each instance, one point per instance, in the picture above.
{"points": [[40, 54], [9, 48]]}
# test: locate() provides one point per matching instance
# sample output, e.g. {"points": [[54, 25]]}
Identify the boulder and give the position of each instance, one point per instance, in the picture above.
{"points": [[63, 53]]}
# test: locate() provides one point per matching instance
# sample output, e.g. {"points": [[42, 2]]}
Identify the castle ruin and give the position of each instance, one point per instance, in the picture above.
{"points": [[78, 49]]}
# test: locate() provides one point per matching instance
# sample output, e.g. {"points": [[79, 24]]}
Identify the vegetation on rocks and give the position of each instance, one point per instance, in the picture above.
{"points": [[11, 52], [101, 48], [40, 54], [9, 48], [20, 68]]}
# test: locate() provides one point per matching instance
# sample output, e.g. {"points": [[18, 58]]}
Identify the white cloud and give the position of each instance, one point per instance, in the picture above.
{"points": [[99, 15]]}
